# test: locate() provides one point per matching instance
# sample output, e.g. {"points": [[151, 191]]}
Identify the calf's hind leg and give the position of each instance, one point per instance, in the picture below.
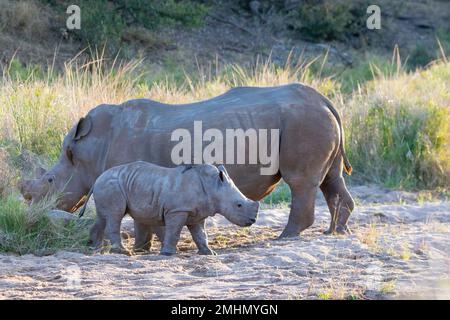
{"points": [[143, 237], [111, 209], [97, 232]]}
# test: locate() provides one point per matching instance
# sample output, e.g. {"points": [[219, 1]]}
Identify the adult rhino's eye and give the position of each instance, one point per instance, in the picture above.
{"points": [[239, 205], [50, 180]]}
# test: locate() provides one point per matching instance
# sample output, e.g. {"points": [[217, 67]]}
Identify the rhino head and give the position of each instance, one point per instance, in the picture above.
{"points": [[68, 176], [226, 199]]}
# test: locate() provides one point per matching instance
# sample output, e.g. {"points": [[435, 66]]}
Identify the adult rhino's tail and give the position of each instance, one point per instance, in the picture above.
{"points": [[83, 209], [347, 166]]}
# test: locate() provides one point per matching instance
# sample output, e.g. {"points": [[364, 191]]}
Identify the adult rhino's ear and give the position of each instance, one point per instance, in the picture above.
{"points": [[83, 128]]}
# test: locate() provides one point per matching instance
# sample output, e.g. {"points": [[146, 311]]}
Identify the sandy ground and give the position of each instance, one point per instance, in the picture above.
{"points": [[400, 248]]}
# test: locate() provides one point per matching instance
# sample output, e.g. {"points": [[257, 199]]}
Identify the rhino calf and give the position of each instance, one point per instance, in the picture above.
{"points": [[173, 197]]}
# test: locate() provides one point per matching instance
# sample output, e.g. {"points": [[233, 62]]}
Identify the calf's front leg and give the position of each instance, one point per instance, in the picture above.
{"points": [[174, 221], [200, 238]]}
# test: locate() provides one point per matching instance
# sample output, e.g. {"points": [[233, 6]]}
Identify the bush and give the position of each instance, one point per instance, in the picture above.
{"points": [[106, 21], [24, 17], [399, 129], [419, 58], [329, 19]]}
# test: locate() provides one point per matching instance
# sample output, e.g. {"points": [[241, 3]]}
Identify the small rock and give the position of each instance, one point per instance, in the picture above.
{"points": [[59, 217]]}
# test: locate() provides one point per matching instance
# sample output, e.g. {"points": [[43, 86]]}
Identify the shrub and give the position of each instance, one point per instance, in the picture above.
{"points": [[398, 132], [419, 58], [24, 17], [106, 21], [329, 19]]}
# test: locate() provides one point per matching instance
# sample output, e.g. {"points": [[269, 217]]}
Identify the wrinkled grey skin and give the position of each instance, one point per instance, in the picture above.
{"points": [[174, 197], [311, 149]]}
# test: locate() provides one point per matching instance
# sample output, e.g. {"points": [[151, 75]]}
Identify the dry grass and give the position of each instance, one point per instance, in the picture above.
{"points": [[397, 126], [6, 174], [38, 112]]}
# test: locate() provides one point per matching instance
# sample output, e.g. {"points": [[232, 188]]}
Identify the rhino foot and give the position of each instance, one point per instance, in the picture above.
{"points": [[344, 230], [167, 253], [340, 230], [120, 250], [288, 237], [141, 250], [207, 252]]}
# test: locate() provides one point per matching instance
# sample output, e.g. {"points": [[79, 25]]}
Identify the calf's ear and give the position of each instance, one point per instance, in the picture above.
{"points": [[222, 169], [223, 174]]}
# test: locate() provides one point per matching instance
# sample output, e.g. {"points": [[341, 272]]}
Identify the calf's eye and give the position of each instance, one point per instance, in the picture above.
{"points": [[239, 205]]}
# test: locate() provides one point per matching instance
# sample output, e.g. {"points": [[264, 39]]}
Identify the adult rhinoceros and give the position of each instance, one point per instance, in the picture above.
{"points": [[311, 152]]}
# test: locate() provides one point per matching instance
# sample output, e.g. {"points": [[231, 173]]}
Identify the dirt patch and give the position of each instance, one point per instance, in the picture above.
{"points": [[397, 250]]}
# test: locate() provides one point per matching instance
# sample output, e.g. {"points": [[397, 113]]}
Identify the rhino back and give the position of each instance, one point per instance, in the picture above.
{"points": [[152, 190], [143, 128]]}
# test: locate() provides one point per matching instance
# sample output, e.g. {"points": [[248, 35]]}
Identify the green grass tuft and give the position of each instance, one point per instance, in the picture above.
{"points": [[26, 229]]}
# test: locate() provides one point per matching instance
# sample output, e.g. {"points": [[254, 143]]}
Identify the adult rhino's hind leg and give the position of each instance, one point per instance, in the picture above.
{"points": [[339, 200], [301, 215]]}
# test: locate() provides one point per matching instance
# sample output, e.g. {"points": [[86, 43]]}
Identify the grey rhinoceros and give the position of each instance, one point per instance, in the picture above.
{"points": [[311, 147], [174, 197]]}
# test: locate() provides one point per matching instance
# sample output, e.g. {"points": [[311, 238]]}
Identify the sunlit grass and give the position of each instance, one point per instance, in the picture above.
{"points": [[26, 229], [396, 125]]}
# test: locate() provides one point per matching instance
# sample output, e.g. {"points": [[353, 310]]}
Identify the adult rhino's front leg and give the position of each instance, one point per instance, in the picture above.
{"points": [[200, 238]]}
